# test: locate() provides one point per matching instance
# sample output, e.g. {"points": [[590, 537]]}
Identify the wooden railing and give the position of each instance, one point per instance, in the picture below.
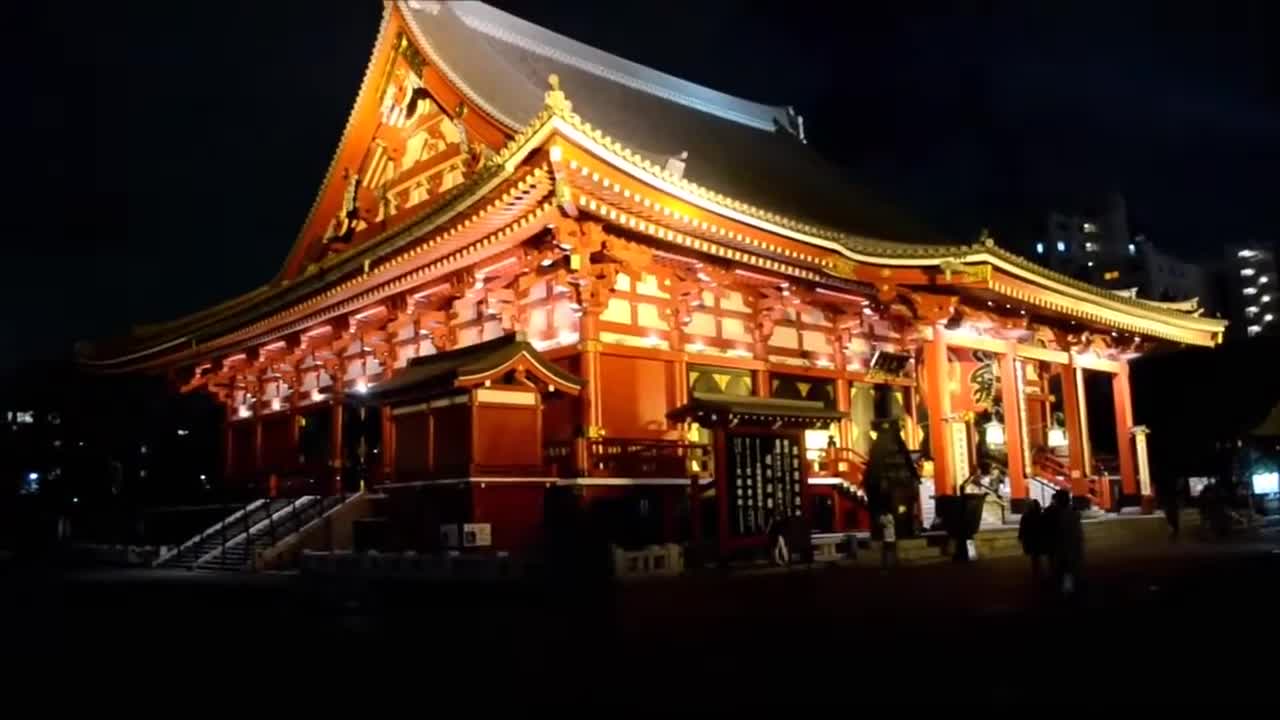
{"points": [[628, 458], [1052, 469], [1097, 485], [845, 463]]}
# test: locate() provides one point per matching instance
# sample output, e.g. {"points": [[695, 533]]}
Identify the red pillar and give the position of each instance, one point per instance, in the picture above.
{"points": [[1011, 395], [938, 400], [760, 381], [680, 368], [227, 458], [257, 442], [589, 337], [1124, 424], [388, 444], [1076, 439], [335, 443]]}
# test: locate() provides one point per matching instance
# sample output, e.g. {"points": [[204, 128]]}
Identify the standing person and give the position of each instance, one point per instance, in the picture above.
{"points": [[1048, 534], [1068, 543], [888, 540], [1031, 535]]}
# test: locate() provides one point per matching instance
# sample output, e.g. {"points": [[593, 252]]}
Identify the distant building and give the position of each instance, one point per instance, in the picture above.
{"points": [[1097, 247], [1165, 278], [1250, 291], [1094, 247]]}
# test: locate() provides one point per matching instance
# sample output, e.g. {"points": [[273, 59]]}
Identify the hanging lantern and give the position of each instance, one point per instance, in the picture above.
{"points": [[994, 433], [1057, 437]]}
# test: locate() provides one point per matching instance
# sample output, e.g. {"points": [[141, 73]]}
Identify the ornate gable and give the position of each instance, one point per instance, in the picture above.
{"points": [[411, 136]]}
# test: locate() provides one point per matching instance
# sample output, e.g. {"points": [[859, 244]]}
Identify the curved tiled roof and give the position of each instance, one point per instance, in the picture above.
{"points": [[737, 146]]}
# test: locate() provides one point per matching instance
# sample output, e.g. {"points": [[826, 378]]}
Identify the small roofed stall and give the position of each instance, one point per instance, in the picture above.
{"points": [[760, 490], [466, 441]]}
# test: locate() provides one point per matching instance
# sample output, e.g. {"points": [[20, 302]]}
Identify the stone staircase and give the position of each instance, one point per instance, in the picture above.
{"points": [[211, 539], [235, 543]]}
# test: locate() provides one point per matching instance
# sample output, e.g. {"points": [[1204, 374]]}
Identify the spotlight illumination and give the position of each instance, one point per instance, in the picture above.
{"points": [[362, 386], [1266, 483]]}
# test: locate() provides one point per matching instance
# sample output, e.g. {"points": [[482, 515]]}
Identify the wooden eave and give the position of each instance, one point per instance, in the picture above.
{"points": [[819, 254]]}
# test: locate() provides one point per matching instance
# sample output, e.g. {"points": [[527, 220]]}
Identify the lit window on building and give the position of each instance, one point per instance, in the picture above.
{"points": [[1062, 246], [1264, 280], [1091, 247], [1089, 227], [1266, 298], [1254, 330], [1040, 248], [1133, 249], [1251, 291], [1247, 272], [1090, 263], [1268, 318], [1111, 275], [1251, 310], [1247, 253]]}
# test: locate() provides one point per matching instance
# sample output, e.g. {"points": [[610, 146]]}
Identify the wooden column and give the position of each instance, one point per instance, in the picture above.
{"points": [[257, 440], [760, 383], [1011, 396], [843, 435], [295, 434], [1076, 431], [336, 453], [1124, 425], [589, 339], [228, 459], [388, 445], [680, 368], [938, 400]]}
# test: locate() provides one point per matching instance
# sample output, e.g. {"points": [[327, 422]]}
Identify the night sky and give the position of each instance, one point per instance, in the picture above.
{"points": [[166, 153]]}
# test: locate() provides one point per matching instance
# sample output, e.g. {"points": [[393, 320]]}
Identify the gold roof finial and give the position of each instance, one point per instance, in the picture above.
{"points": [[555, 99]]}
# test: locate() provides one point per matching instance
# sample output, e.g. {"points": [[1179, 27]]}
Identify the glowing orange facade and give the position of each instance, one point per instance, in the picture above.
{"points": [[652, 240]]}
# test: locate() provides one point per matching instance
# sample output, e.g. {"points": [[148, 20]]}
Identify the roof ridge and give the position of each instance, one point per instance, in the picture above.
{"points": [[533, 38]]}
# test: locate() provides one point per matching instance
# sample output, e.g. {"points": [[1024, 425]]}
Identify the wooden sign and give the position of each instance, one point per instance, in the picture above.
{"points": [[764, 481]]}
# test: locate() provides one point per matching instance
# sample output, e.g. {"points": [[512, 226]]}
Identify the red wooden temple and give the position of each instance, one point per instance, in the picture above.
{"points": [[535, 270]]}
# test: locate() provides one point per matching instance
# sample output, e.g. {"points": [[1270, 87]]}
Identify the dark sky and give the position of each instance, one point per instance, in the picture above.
{"points": [[165, 154]]}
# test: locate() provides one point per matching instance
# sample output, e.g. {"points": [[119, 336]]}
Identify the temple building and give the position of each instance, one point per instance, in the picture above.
{"points": [[539, 279]]}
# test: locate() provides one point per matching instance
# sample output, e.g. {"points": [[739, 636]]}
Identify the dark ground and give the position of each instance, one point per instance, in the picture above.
{"points": [[1192, 622]]}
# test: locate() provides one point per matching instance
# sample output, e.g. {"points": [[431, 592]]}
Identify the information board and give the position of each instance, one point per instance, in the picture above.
{"points": [[765, 477]]}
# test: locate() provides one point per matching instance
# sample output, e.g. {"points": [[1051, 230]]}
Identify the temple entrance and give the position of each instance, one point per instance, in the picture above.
{"points": [[1098, 402]]}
